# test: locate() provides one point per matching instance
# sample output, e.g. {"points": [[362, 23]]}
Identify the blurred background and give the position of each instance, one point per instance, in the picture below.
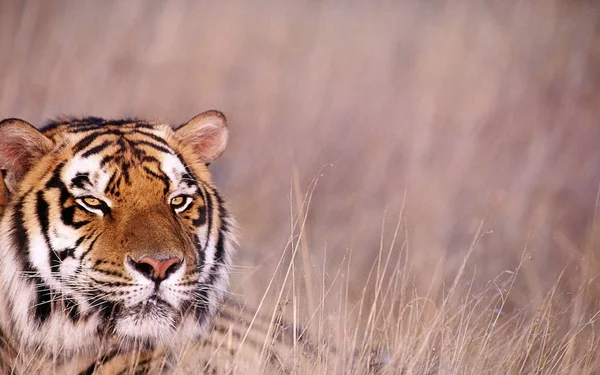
{"points": [[465, 120]]}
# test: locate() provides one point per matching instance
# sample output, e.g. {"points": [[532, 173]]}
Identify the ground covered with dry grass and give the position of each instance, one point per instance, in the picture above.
{"points": [[416, 182]]}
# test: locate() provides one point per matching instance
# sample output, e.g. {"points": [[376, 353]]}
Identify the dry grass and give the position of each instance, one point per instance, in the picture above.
{"points": [[463, 327], [454, 226]]}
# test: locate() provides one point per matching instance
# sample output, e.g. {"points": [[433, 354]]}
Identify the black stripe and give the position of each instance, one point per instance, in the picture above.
{"points": [[57, 257], [151, 160], [72, 309], [80, 180], [202, 216], [188, 179], [67, 253], [106, 159], [222, 213], [43, 303], [209, 213], [89, 248], [105, 358], [54, 262], [219, 251], [85, 141], [97, 149], [125, 172], [116, 284], [153, 136], [200, 252], [42, 215], [163, 178], [110, 186], [107, 311], [109, 272], [55, 181], [188, 173], [151, 145], [86, 121], [83, 128], [19, 233], [220, 247], [138, 153], [201, 219], [88, 139], [42, 210], [52, 125], [67, 214]]}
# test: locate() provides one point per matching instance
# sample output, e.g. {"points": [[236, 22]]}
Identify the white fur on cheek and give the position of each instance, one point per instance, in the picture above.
{"points": [[38, 255], [62, 236]]}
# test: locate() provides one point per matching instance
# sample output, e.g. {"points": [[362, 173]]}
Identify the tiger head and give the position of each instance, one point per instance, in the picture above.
{"points": [[112, 229]]}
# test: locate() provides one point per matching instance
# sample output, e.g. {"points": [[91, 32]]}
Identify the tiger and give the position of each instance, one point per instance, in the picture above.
{"points": [[115, 253]]}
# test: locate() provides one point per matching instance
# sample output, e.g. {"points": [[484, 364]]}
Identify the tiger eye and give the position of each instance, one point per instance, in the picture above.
{"points": [[177, 201], [92, 202]]}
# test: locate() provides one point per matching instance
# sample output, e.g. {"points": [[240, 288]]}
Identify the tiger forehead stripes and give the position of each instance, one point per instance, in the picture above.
{"points": [[112, 229]]}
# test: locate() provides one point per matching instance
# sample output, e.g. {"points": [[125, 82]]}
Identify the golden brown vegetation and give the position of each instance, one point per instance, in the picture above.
{"points": [[454, 226]]}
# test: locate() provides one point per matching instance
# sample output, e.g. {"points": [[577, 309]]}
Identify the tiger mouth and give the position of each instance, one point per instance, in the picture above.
{"points": [[153, 307], [147, 322]]}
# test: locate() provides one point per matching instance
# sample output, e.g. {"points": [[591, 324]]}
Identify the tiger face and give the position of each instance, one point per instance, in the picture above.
{"points": [[113, 229]]}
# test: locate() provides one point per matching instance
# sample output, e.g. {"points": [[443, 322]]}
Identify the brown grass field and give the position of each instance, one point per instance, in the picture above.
{"points": [[416, 182]]}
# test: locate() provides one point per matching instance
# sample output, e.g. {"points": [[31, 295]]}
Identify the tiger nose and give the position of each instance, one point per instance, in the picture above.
{"points": [[156, 269]]}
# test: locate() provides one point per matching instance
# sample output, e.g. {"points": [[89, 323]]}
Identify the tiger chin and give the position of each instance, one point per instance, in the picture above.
{"points": [[113, 234]]}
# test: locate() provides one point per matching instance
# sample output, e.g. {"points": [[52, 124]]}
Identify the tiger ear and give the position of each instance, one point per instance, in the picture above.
{"points": [[206, 135], [21, 145]]}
